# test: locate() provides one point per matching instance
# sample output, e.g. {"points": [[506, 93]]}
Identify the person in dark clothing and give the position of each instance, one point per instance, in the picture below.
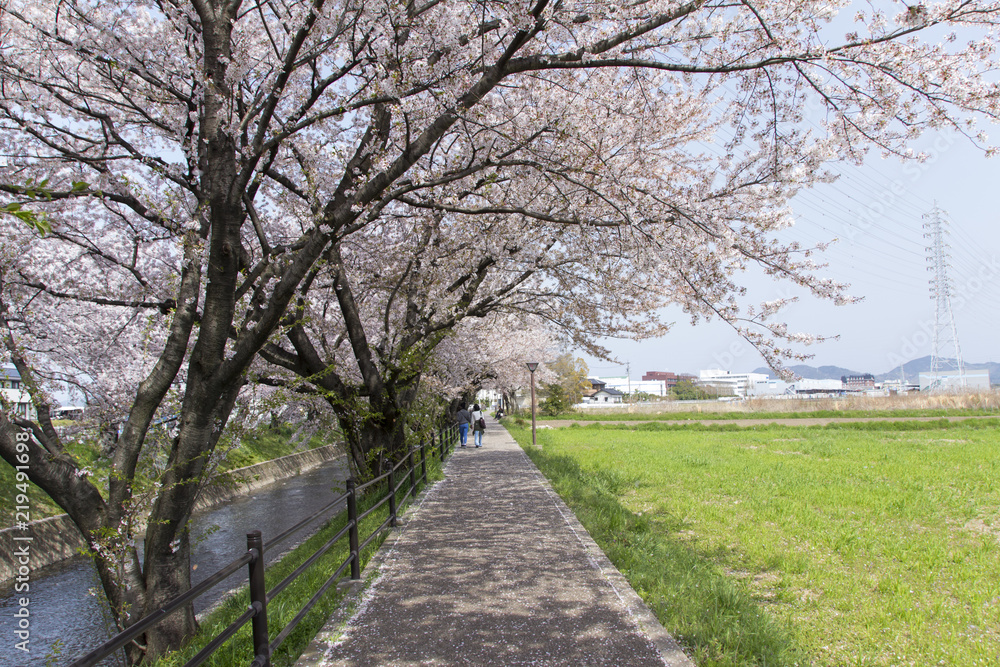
{"points": [[464, 418]]}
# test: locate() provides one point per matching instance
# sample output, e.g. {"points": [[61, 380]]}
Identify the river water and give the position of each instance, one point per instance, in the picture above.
{"points": [[65, 599]]}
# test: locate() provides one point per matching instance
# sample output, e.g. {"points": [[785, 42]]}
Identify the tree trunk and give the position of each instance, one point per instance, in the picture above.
{"points": [[375, 430]]}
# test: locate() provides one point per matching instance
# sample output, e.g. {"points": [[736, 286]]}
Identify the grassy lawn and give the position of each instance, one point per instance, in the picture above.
{"points": [[873, 544], [986, 403], [724, 415]]}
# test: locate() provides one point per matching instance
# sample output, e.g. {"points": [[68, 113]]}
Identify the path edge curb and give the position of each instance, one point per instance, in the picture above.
{"points": [[671, 652]]}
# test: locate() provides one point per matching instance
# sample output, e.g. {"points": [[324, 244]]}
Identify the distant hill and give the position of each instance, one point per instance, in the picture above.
{"points": [[911, 370], [923, 365]]}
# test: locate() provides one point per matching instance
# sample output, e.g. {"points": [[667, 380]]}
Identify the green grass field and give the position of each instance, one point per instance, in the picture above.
{"points": [[874, 544], [720, 415]]}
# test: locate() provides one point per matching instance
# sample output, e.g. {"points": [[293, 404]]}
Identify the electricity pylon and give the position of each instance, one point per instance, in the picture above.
{"points": [[945, 332]]}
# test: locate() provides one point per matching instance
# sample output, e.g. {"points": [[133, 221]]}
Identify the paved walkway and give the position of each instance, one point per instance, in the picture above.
{"points": [[491, 568]]}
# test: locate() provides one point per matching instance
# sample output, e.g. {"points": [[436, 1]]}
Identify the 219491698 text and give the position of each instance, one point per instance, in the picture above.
{"points": [[21, 555]]}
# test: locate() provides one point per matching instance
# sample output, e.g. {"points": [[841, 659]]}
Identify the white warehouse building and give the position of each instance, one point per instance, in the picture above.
{"points": [[626, 385], [738, 384], [953, 381]]}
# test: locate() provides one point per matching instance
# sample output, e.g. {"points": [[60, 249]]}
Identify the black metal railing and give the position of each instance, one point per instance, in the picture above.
{"points": [[256, 613]]}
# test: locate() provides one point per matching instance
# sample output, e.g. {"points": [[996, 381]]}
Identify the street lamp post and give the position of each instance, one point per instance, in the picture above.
{"points": [[532, 365]]}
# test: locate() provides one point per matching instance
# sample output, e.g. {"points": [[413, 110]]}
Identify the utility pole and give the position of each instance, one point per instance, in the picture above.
{"points": [[532, 366]]}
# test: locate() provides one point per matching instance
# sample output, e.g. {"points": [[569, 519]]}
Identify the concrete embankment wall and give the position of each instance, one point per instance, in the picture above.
{"points": [[52, 540], [243, 481], [57, 538]]}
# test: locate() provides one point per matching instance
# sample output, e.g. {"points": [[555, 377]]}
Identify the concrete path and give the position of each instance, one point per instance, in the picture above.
{"points": [[491, 568]]}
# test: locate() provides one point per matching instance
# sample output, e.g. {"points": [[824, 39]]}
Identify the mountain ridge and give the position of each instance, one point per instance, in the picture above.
{"points": [[910, 371]]}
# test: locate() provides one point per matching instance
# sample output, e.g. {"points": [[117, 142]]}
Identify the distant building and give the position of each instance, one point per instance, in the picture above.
{"points": [[626, 385], [732, 384], [953, 381], [489, 398], [9, 378], [605, 396], [817, 387], [70, 412], [768, 387], [899, 387], [668, 379], [864, 382], [601, 394], [651, 387], [12, 394]]}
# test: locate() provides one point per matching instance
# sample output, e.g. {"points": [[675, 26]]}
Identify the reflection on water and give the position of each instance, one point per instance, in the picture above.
{"points": [[65, 599]]}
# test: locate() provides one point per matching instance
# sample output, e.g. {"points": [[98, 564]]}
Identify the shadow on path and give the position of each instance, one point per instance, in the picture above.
{"points": [[491, 568]]}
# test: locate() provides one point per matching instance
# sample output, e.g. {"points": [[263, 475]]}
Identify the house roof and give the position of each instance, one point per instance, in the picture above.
{"points": [[9, 373], [610, 392]]}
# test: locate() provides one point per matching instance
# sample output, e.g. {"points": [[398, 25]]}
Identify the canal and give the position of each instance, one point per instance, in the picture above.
{"points": [[67, 607]]}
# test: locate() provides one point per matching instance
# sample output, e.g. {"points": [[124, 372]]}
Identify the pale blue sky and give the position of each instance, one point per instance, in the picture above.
{"points": [[877, 213]]}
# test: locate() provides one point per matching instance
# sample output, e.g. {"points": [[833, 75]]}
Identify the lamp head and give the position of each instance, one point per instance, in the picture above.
{"points": [[532, 365]]}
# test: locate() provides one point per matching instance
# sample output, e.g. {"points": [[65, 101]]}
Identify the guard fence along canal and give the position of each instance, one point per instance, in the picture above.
{"points": [[409, 472]]}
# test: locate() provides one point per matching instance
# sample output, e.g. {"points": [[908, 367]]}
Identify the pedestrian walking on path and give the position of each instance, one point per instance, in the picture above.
{"points": [[491, 568], [464, 418], [478, 424]]}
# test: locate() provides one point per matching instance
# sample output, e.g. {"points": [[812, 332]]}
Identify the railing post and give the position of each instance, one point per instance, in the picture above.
{"points": [[413, 473], [258, 598], [423, 460], [352, 519], [392, 495]]}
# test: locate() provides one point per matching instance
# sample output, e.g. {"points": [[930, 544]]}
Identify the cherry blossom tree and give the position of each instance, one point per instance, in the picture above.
{"points": [[433, 318], [421, 292], [492, 354], [310, 179]]}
